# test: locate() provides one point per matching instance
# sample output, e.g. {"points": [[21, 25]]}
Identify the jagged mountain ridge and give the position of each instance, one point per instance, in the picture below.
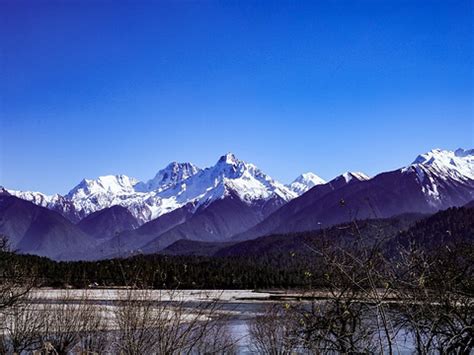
{"points": [[172, 187], [349, 196], [234, 200], [434, 181]]}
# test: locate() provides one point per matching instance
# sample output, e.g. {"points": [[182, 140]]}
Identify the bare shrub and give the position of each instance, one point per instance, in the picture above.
{"points": [[15, 280], [374, 297], [438, 308], [274, 332], [163, 323], [355, 316], [74, 324], [337, 325], [23, 324], [213, 337]]}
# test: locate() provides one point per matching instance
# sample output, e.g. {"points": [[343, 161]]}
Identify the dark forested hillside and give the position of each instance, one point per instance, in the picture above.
{"points": [[453, 225], [280, 261]]}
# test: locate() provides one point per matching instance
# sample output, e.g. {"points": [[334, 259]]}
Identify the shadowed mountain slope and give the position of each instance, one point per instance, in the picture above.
{"points": [[38, 230], [108, 222]]}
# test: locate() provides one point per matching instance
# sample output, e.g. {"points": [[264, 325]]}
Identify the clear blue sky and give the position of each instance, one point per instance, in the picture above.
{"points": [[90, 88]]}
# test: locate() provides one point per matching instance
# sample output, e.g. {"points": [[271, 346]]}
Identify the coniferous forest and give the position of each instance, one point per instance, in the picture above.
{"points": [[280, 261]]}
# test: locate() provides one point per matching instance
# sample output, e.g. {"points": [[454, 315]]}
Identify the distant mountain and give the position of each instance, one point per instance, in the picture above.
{"points": [[173, 187], [309, 201], [454, 225], [170, 176], [295, 245], [428, 231], [228, 174], [94, 195], [55, 202], [218, 221], [228, 198], [434, 181], [233, 201], [109, 222], [37, 230], [131, 242], [304, 182]]}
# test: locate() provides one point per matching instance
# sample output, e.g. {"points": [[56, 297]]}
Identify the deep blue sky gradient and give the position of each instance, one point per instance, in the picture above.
{"points": [[90, 88]]}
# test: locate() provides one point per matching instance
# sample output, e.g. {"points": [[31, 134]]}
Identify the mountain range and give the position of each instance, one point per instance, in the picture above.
{"points": [[232, 201]]}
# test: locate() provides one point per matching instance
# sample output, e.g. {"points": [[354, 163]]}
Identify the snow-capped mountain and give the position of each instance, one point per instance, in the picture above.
{"points": [[458, 164], [440, 171], [436, 180], [109, 184], [304, 182], [229, 174], [235, 200], [173, 174], [213, 204], [172, 187], [54, 202], [179, 184], [106, 191]]}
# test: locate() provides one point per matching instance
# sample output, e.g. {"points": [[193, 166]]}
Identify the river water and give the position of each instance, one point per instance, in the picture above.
{"points": [[241, 306]]}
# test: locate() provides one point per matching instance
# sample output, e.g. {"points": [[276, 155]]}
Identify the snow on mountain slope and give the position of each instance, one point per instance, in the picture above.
{"points": [[37, 198], [351, 175], [304, 182], [458, 165], [96, 194], [228, 174], [177, 185], [168, 177], [54, 202], [440, 171], [110, 184], [172, 187]]}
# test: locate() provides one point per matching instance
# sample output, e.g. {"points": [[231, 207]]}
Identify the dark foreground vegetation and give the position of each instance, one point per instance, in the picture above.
{"points": [[383, 280]]}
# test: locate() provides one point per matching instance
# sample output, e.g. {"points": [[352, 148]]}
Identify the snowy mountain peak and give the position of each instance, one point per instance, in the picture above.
{"points": [[439, 170], [228, 158], [353, 175], [457, 164], [173, 174], [179, 184], [111, 184], [230, 167], [304, 182], [228, 175], [437, 156]]}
